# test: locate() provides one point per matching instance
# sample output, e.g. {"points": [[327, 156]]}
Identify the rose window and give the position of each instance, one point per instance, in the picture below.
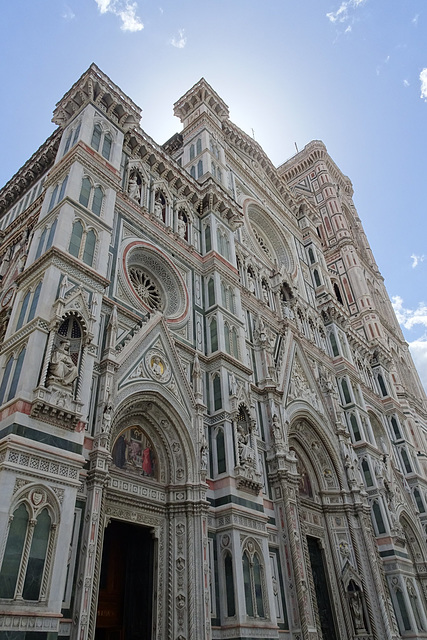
{"points": [[145, 288]]}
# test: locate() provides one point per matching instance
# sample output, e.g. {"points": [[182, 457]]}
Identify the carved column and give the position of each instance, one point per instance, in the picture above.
{"points": [[285, 479], [84, 614]]}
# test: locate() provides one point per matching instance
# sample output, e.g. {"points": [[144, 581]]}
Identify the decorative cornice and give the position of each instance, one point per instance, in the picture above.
{"points": [[200, 93], [95, 87], [30, 172]]}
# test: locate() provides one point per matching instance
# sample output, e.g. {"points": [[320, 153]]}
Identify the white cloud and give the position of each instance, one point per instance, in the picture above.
{"points": [[68, 14], [423, 79], [180, 41], [125, 10], [418, 349], [343, 13], [408, 318], [415, 19], [416, 260], [406, 83]]}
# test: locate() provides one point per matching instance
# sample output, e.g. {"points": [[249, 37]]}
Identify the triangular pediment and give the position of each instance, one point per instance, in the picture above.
{"points": [[150, 358], [301, 384]]}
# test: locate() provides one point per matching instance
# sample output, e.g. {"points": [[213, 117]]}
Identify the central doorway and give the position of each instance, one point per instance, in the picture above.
{"points": [[318, 571], [125, 602]]}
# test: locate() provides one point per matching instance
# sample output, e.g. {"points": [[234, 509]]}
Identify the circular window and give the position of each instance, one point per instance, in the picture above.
{"points": [[154, 281], [146, 288]]}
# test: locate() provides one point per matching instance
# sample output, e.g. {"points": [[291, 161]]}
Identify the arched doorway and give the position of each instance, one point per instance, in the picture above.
{"points": [[126, 600]]}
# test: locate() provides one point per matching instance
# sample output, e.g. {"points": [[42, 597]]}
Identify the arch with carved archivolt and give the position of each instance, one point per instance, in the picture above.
{"points": [[160, 501], [321, 481]]}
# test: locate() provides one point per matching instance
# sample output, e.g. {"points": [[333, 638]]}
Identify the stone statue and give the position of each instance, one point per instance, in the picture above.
{"points": [[251, 282], [158, 209], [134, 188], [246, 453], [61, 367], [64, 287], [106, 418], [357, 611], [182, 226], [204, 455]]}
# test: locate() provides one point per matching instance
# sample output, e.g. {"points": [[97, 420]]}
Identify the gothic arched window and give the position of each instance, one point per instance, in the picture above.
{"points": [[229, 585], [253, 583]]}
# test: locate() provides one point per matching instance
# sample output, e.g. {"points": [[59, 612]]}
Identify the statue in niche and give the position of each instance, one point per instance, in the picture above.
{"points": [[134, 189], [106, 418], [265, 293], [251, 282], [182, 225], [246, 453], [62, 369], [204, 455], [159, 207], [356, 608]]}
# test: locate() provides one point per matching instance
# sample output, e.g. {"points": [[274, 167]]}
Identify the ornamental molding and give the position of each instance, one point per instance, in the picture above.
{"points": [[20, 337], [16, 456], [27, 623], [32, 170], [67, 264]]}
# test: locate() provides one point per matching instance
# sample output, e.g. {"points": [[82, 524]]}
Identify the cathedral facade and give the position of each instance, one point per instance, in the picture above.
{"points": [[210, 423]]}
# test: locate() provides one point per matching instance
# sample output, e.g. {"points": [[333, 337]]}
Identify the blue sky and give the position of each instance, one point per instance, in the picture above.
{"points": [[352, 73]]}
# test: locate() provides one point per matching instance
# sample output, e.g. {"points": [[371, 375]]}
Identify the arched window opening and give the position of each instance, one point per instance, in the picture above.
{"points": [[23, 310], [355, 428], [414, 600], [311, 255], [89, 249], [96, 137], [208, 239], [220, 452], [345, 391], [234, 343], [53, 198], [395, 427], [40, 246], [200, 168], [405, 459], [227, 338], [211, 292], [229, 585], [106, 146], [36, 560], [367, 473], [16, 375], [76, 238], [85, 192], [338, 293], [381, 383], [13, 552], [199, 146], [404, 616], [5, 380], [253, 578], [193, 171], [217, 396], [378, 518], [34, 302], [214, 335], [317, 281], [98, 196], [419, 501], [248, 587], [334, 345], [192, 152]]}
